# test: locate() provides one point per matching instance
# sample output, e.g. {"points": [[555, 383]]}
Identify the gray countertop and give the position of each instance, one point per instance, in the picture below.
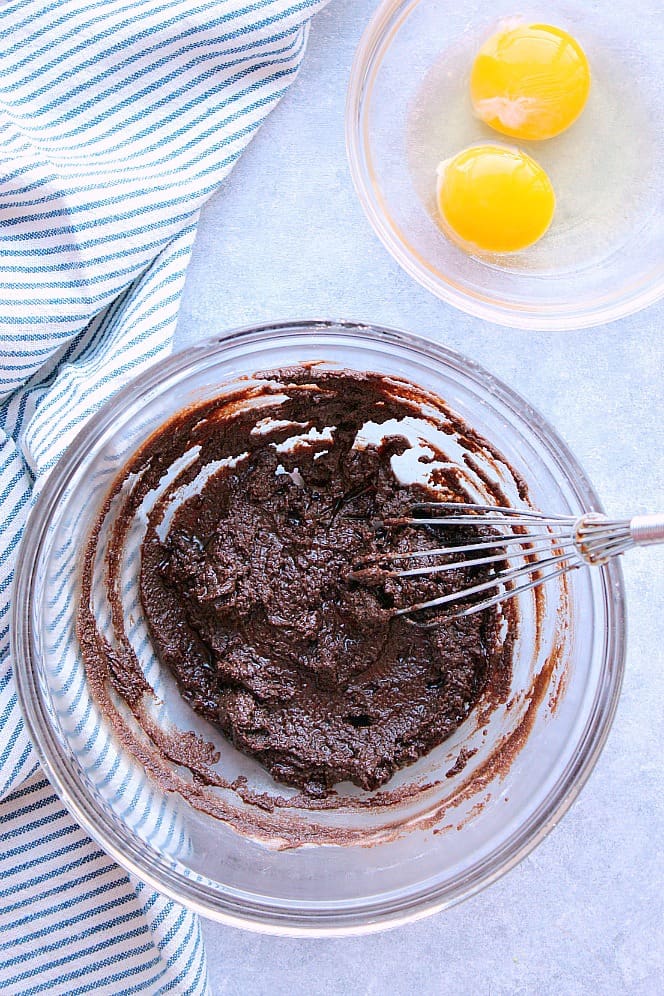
{"points": [[286, 238]]}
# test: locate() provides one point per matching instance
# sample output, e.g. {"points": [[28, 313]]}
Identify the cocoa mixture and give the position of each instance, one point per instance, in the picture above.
{"points": [[255, 597]]}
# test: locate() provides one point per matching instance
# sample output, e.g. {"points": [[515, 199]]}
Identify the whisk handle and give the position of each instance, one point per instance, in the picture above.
{"points": [[647, 529]]}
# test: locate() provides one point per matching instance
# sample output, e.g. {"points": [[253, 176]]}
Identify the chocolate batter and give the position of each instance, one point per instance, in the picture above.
{"points": [[253, 598]]}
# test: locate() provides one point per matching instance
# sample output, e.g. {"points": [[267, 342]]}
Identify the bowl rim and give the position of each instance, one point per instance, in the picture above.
{"points": [[233, 907], [375, 41]]}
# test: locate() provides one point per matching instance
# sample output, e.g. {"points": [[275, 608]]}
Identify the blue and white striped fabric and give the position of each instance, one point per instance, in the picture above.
{"points": [[118, 118]]}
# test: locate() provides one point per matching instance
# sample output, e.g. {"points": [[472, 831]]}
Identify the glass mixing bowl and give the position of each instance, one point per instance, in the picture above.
{"points": [[408, 108], [460, 827]]}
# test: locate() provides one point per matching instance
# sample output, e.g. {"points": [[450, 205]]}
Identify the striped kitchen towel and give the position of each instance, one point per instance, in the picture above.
{"points": [[118, 118]]}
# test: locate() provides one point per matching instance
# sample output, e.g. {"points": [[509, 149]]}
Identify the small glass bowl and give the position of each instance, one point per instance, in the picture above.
{"points": [[465, 827], [408, 108]]}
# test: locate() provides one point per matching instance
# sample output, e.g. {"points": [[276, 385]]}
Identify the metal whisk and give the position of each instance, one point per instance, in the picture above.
{"points": [[549, 545]]}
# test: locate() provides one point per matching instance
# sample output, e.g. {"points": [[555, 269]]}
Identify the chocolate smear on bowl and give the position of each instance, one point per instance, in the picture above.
{"points": [[250, 589]]}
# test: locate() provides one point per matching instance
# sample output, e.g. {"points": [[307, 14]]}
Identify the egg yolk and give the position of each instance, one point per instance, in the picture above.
{"points": [[530, 81], [494, 199]]}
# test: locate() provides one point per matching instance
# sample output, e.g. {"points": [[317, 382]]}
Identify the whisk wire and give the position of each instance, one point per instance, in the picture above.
{"points": [[501, 596], [550, 546], [505, 578], [532, 550], [471, 547]]}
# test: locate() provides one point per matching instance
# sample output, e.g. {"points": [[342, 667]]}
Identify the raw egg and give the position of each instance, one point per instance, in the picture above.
{"points": [[494, 199], [530, 81]]}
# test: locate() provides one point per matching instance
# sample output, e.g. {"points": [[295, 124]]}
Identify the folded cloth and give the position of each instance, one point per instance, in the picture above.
{"points": [[118, 118]]}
